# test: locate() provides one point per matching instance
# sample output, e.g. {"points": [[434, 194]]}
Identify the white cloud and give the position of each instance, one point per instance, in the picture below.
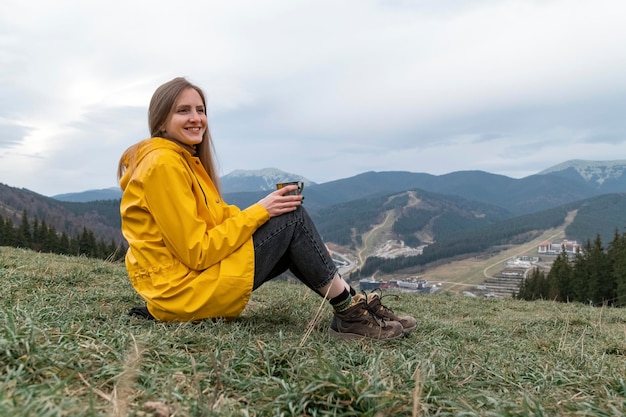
{"points": [[321, 88]]}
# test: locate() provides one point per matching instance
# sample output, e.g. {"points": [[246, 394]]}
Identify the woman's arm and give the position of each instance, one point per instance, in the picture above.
{"points": [[196, 241]]}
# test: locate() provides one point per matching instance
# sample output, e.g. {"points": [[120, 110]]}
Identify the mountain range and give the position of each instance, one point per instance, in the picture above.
{"points": [[237, 181], [426, 208], [568, 181]]}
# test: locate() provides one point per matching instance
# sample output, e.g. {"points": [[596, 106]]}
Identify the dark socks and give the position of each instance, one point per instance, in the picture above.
{"points": [[342, 301]]}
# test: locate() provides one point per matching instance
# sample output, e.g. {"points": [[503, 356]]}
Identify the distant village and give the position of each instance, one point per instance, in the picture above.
{"points": [[571, 247], [504, 283], [414, 284]]}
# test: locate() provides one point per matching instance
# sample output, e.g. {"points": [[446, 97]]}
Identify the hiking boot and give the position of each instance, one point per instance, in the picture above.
{"points": [[378, 309], [140, 312], [357, 322]]}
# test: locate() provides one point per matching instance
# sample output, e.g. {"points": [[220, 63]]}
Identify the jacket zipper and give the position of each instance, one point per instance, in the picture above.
{"points": [[206, 202]]}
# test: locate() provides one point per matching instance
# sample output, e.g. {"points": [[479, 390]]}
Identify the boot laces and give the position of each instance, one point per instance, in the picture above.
{"points": [[379, 320], [385, 309], [371, 312]]}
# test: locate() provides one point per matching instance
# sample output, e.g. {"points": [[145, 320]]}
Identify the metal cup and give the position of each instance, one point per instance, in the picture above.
{"points": [[300, 185]]}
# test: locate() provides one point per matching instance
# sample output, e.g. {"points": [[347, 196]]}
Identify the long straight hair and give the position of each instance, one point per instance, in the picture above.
{"points": [[161, 105]]}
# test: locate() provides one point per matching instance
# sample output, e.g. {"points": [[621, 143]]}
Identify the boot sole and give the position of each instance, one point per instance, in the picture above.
{"points": [[408, 330]]}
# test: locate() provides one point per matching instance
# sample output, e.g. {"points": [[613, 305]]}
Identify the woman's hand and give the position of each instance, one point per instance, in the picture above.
{"points": [[278, 203]]}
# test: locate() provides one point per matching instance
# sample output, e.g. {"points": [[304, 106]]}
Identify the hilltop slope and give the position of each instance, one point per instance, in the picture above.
{"points": [[69, 348]]}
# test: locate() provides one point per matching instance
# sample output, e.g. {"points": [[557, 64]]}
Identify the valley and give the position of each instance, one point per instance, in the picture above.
{"points": [[462, 275], [455, 276], [380, 221]]}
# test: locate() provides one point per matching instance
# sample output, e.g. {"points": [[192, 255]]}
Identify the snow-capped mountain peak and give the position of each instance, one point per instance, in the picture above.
{"points": [[597, 173], [258, 180]]}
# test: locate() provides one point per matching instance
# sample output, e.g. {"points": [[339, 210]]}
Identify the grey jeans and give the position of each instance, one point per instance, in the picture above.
{"points": [[291, 242]]}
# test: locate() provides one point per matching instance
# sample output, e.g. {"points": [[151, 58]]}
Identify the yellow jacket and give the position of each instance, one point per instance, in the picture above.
{"points": [[190, 255]]}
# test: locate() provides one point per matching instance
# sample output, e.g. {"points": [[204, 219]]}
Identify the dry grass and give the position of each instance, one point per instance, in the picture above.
{"points": [[67, 348]]}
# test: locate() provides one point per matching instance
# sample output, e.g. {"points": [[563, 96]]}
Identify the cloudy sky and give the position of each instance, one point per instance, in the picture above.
{"points": [[326, 89]]}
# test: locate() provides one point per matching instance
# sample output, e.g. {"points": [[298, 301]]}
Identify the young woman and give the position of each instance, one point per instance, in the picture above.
{"points": [[191, 256]]}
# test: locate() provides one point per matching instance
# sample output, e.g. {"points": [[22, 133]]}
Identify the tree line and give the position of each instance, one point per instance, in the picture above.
{"points": [[593, 275], [41, 237]]}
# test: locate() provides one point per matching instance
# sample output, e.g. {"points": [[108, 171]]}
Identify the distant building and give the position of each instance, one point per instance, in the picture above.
{"points": [[571, 247], [370, 284], [413, 284], [518, 263], [524, 262]]}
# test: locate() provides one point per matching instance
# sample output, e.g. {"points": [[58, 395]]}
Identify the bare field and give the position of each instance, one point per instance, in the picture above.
{"points": [[457, 276]]}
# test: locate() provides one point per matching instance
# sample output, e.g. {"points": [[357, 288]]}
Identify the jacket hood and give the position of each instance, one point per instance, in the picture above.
{"points": [[133, 156]]}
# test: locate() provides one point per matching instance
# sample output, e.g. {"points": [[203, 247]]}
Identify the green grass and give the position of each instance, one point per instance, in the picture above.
{"points": [[67, 348]]}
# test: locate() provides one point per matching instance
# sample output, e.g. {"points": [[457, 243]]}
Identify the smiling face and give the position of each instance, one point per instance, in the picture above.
{"points": [[187, 120]]}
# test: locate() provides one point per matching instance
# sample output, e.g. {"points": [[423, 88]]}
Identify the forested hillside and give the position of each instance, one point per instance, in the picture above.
{"points": [[101, 217], [42, 237], [601, 216], [416, 211]]}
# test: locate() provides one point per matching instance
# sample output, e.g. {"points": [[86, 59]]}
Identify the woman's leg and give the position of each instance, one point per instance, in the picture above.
{"points": [[291, 241]]}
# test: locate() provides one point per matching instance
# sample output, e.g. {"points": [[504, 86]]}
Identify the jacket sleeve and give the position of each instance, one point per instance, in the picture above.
{"points": [[230, 210], [197, 242]]}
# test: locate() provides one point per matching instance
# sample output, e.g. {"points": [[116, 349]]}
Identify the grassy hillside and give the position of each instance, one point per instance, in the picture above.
{"points": [[68, 348]]}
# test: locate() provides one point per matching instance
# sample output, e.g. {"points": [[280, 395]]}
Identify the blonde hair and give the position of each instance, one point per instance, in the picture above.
{"points": [[161, 105]]}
